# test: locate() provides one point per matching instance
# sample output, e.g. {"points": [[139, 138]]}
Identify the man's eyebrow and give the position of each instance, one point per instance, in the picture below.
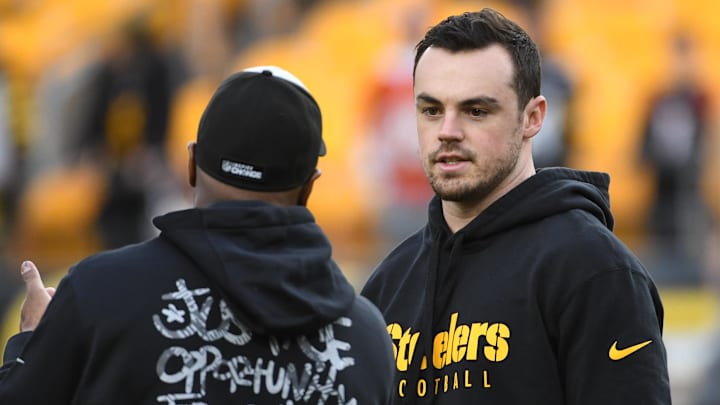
{"points": [[426, 98], [491, 102]]}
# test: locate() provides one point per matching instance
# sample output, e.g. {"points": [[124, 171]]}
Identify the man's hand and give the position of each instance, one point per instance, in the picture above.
{"points": [[37, 298]]}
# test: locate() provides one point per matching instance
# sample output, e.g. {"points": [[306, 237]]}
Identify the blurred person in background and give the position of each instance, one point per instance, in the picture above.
{"points": [[674, 132], [125, 129], [516, 291], [237, 299], [709, 391], [7, 149], [13, 146], [388, 142], [8, 283], [551, 147], [255, 20]]}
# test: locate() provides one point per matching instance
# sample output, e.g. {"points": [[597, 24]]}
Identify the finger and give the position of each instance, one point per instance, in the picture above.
{"points": [[36, 299], [50, 291], [31, 276]]}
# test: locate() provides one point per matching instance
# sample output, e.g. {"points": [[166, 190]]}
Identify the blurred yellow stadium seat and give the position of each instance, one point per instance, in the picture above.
{"points": [[37, 36], [56, 216]]}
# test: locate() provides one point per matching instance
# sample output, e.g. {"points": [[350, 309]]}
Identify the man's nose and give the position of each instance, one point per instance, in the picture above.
{"points": [[450, 130]]}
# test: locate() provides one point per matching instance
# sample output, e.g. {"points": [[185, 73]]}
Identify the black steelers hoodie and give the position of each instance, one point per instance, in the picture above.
{"points": [[239, 303], [533, 302]]}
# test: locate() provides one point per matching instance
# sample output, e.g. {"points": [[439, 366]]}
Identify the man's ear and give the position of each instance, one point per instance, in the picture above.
{"points": [[534, 115], [191, 164], [306, 189]]}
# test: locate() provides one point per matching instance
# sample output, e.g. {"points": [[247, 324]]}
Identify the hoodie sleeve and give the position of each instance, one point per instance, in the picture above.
{"points": [[49, 366], [13, 348], [610, 344]]}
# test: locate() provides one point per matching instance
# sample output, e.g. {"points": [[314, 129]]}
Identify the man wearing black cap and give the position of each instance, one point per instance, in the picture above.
{"points": [[236, 301]]}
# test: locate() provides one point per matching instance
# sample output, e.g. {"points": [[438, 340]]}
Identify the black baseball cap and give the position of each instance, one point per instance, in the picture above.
{"points": [[261, 130]]}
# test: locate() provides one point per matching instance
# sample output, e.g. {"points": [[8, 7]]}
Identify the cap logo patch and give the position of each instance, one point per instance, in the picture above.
{"points": [[242, 170]]}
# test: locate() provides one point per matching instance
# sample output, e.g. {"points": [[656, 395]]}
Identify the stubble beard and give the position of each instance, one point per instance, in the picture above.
{"points": [[477, 185]]}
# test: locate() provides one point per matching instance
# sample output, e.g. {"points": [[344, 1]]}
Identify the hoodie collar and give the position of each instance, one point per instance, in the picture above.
{"points": [[550, 191]]}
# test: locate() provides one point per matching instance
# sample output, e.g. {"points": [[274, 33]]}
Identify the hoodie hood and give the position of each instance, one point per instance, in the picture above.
{"points": [[549, 192], [272, 264]]}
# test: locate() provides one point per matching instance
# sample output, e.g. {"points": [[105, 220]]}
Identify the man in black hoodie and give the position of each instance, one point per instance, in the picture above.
{"points": [[238, 300], [516, 291]]}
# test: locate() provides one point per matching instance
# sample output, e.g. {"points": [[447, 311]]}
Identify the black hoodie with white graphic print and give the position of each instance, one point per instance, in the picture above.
{"points": [[535, 301], [240, 303]]}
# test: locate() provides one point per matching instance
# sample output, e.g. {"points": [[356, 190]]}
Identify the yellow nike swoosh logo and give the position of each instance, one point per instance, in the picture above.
{"points": [[619, 354]]}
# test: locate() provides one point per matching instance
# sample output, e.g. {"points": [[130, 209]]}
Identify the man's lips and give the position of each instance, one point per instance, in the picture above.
{"points": [[449, 156], [451, 161]]}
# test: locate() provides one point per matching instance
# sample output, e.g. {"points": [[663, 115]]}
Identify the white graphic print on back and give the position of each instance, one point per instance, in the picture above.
{"points": [[188, 313]]}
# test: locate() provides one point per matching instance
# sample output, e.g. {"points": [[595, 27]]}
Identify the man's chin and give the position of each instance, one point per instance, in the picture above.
{"points": [[455, 194], [456, 191]]}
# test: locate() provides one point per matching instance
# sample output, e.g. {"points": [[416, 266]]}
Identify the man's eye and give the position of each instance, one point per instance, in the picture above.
{"points": [[478, 112], [430, 110]]}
